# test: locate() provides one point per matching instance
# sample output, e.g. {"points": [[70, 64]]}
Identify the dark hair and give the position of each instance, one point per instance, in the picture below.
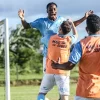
{"points": [[93, 23], [49, 4], [66, 27]]}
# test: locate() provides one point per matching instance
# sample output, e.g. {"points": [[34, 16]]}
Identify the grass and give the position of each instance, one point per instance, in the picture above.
{"points": [[74, 74], [31, 92], [20, 76]]}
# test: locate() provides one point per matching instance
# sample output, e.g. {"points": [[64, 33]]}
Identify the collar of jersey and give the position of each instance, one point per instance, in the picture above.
{"points": [[52, 20], [95, 35], [61, 35]]}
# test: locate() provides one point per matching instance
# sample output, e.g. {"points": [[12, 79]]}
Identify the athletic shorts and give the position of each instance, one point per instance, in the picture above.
{"points": [[44, 64], [49, 80], [81, 98]]}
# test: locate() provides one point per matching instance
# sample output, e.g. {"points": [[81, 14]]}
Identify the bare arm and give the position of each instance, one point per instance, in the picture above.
{"points": [[65, 66], [74, 30], [25, 24], [76, 23]]}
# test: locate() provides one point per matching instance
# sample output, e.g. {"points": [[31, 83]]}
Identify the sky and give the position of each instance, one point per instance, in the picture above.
{"points": [[74, 9]]}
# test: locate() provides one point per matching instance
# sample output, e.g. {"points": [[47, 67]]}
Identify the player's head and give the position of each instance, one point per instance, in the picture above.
{"points": [[52, 10], [65, 28], [93, 24]]}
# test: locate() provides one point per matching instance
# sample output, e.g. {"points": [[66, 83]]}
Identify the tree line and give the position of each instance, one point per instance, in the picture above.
{"points": [[24, 49]]}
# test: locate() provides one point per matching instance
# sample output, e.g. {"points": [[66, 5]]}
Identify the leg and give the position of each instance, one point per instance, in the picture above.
{"points": [[63, 86], [64, 97], [46, 85], [41, 96], [97, 99], [44, 64], [81, 98], [59, 97]]}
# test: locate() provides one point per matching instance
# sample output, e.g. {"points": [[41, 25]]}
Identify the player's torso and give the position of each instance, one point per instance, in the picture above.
{"points": [[89, 68], [49, 28], [59, 51]]}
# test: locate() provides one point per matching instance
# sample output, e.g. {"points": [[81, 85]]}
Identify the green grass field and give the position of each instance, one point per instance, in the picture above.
{"points": [[31, 92]]}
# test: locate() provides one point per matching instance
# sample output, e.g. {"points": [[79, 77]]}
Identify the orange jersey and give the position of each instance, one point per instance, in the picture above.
{"points": [[89, 68], [59, 51]]}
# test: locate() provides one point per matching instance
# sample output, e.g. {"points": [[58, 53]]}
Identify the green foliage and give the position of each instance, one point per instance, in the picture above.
{"points": [[24, 46]]}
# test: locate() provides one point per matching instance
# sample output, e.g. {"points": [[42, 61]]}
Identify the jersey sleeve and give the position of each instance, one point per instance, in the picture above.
{"points": [[37, 24], [74, 38], [76, 53]]}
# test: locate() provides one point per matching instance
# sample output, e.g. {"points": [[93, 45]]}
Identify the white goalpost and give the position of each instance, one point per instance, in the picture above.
{"points": [[4, 35]]}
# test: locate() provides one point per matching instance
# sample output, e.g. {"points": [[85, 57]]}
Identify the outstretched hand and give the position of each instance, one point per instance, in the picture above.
{"points": [[88, 13], [21, 14], [70, 22]]}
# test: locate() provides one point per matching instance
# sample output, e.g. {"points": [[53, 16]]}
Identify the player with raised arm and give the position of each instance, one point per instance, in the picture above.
{"points": [[87, 53], [58, 51]]}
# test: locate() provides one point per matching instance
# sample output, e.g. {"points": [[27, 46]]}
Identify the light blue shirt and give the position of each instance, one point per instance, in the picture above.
{"points": [[47, 28], [76, 53]]}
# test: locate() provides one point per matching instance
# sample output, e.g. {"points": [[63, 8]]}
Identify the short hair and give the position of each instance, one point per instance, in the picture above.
{"points": [[93, 23], [66, 27], [49, 4]]}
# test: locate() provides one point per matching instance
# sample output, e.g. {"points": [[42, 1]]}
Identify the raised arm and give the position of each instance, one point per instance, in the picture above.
{"points": [[76, 23], [25, 24], [74, 30]]}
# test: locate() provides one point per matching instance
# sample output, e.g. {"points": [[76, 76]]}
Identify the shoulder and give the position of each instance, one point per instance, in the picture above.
{"points": [[60, 18], [41, 19], [84, 40], [54, 36], [77, 45], [68, 38]]}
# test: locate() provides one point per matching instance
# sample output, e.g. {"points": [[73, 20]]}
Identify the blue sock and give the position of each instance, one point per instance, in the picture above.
{"points": [[41, 97]]}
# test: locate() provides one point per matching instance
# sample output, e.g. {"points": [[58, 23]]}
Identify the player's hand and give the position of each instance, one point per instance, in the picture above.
{"points": [[88, 13], [70, 22], [54, 65], [21, 14]]}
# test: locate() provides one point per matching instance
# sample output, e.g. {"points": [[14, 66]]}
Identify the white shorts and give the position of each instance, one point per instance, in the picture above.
{"points": [[49, 80], [81, 98]]}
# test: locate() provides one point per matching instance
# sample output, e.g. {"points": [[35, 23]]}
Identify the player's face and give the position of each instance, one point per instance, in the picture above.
{"points": [[52, 12]]}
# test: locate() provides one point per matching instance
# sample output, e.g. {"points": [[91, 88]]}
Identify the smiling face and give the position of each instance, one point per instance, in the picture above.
{"points": [[52, 12]]}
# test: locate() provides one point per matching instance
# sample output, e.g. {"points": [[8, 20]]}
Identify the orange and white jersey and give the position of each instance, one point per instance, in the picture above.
{"points": [[89, 67], [87, 52], [58, 51]]}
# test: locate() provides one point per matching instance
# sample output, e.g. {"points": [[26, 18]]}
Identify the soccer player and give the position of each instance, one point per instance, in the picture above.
{"points": [[48, 26], [87, 53], [58, 51]]}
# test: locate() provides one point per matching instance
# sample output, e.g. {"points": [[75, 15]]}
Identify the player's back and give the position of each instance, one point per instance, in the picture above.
{"points": [[89, 68], [58, 51]]}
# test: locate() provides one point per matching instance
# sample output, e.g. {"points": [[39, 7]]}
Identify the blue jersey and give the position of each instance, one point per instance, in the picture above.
{"points": [[76, 53], [47, 28]]}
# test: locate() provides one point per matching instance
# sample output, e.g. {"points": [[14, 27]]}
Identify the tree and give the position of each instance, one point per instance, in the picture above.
{"points": [[24, 46]]}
